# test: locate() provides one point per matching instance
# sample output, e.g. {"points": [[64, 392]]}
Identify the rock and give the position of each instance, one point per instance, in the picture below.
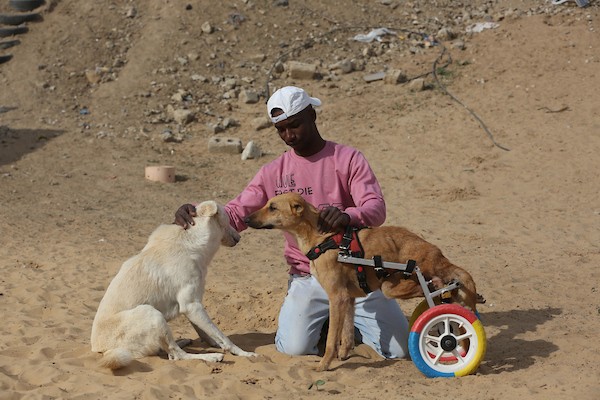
{"points": [[459, 44], [377, 76], [229, 83], [445, 34], [183, 116], [261, 123], [278, 67], [131, 12], [228, 145], [92, 77], [215, 128], [251, 151], [358, 65], [345, 66], [229, 122], [181, 95], [394, 77], [199, 78], [300, 70], [248, 96], [207, 27], [167, 136], [416, 85]]}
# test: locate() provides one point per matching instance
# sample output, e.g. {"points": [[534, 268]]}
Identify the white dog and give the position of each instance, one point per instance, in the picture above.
{"points": [[166, 279]]}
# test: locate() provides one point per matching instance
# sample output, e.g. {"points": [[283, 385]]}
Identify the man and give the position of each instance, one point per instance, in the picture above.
{"points": [[338, 180]]}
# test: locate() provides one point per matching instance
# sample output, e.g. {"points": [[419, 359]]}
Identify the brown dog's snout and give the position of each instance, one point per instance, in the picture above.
{"points": [[253, 221], [248, 220]]}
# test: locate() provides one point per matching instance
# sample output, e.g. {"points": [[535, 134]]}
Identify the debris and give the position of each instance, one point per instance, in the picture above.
{"points": [[375, 34], [160, 173], [377, 76], [549, 110], [229, 145], [481, 26], [580, 3]]}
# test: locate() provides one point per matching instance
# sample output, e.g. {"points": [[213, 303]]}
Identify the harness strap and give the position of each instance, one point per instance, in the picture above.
{"points": [[316, 251], [362, 279], [349, 244], [379, 270], [410, 267], [346, 241]]}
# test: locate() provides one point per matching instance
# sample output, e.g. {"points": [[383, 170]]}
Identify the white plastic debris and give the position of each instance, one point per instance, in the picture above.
{"points": [[375, 34], [481, 26]]}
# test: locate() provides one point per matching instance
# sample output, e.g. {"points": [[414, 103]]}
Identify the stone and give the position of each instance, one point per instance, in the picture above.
{"points": [[300, 70], [229, 145], [260, 123], [417, 85], [248, 96], [183, 116], [251, 151], [377, 76], [394, 77], [207, 27]]}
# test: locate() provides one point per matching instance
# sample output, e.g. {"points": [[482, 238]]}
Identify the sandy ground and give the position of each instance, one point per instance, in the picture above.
{"points": [[85, 102]]}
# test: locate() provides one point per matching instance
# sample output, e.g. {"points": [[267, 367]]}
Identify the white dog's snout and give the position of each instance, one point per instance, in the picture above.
{"points": [[231, 238]]}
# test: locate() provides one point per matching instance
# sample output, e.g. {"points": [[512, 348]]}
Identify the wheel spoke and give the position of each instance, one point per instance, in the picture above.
{"points": [[459, 357], [447, 328], [435, 339], [466, 335], [437, 357]]}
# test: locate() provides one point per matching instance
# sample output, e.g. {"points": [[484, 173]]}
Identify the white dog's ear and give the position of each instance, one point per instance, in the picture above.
{"points": [[207, 209]]}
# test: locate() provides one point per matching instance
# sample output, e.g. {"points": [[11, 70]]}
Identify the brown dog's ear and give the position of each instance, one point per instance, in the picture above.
{"points": [[297, 208], [207, 209]]}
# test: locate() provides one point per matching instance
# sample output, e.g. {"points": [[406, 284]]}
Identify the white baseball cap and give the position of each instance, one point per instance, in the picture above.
{"points": [[291, 100]]}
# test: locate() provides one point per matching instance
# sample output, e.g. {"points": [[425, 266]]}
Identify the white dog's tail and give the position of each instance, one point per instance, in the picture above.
{"points": [[116, 358]]}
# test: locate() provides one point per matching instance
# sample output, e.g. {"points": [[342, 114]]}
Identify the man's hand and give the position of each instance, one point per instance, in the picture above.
{"points": [[332, 219], [184, 216]]}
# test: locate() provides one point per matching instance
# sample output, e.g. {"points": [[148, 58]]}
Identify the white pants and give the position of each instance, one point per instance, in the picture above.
{"points": [[379, 320]]}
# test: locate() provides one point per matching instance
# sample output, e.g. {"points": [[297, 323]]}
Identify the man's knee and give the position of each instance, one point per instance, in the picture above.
{"points": [[293, 347]]}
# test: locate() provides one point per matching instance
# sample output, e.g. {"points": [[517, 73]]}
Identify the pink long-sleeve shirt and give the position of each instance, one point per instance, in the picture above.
{"points": [[337, 176]]}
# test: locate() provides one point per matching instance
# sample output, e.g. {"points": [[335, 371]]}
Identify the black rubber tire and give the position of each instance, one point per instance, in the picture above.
{"points": [[9, 43], [5, 58], [6, 32], [25, 5], [18, 19]]}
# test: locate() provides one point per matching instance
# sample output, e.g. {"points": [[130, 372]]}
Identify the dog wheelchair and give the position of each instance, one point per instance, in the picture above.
{"points": [[445, 340]]}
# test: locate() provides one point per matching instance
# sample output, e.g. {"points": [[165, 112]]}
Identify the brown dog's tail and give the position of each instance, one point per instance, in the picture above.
{"points": [[116, 358]]}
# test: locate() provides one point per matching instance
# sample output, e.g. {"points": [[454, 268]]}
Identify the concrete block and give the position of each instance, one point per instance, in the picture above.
{"points": [[230, 145]]}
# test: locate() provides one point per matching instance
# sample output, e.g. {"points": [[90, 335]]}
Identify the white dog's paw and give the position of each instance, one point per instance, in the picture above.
{"points": [[236, 351], [213, 357]]}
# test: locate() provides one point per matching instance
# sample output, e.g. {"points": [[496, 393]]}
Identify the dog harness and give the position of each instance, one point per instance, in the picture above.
{"points": [[349, 244]]}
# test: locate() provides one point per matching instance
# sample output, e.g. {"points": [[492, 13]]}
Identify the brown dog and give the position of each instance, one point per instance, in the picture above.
{"points": [[291, 213]]}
